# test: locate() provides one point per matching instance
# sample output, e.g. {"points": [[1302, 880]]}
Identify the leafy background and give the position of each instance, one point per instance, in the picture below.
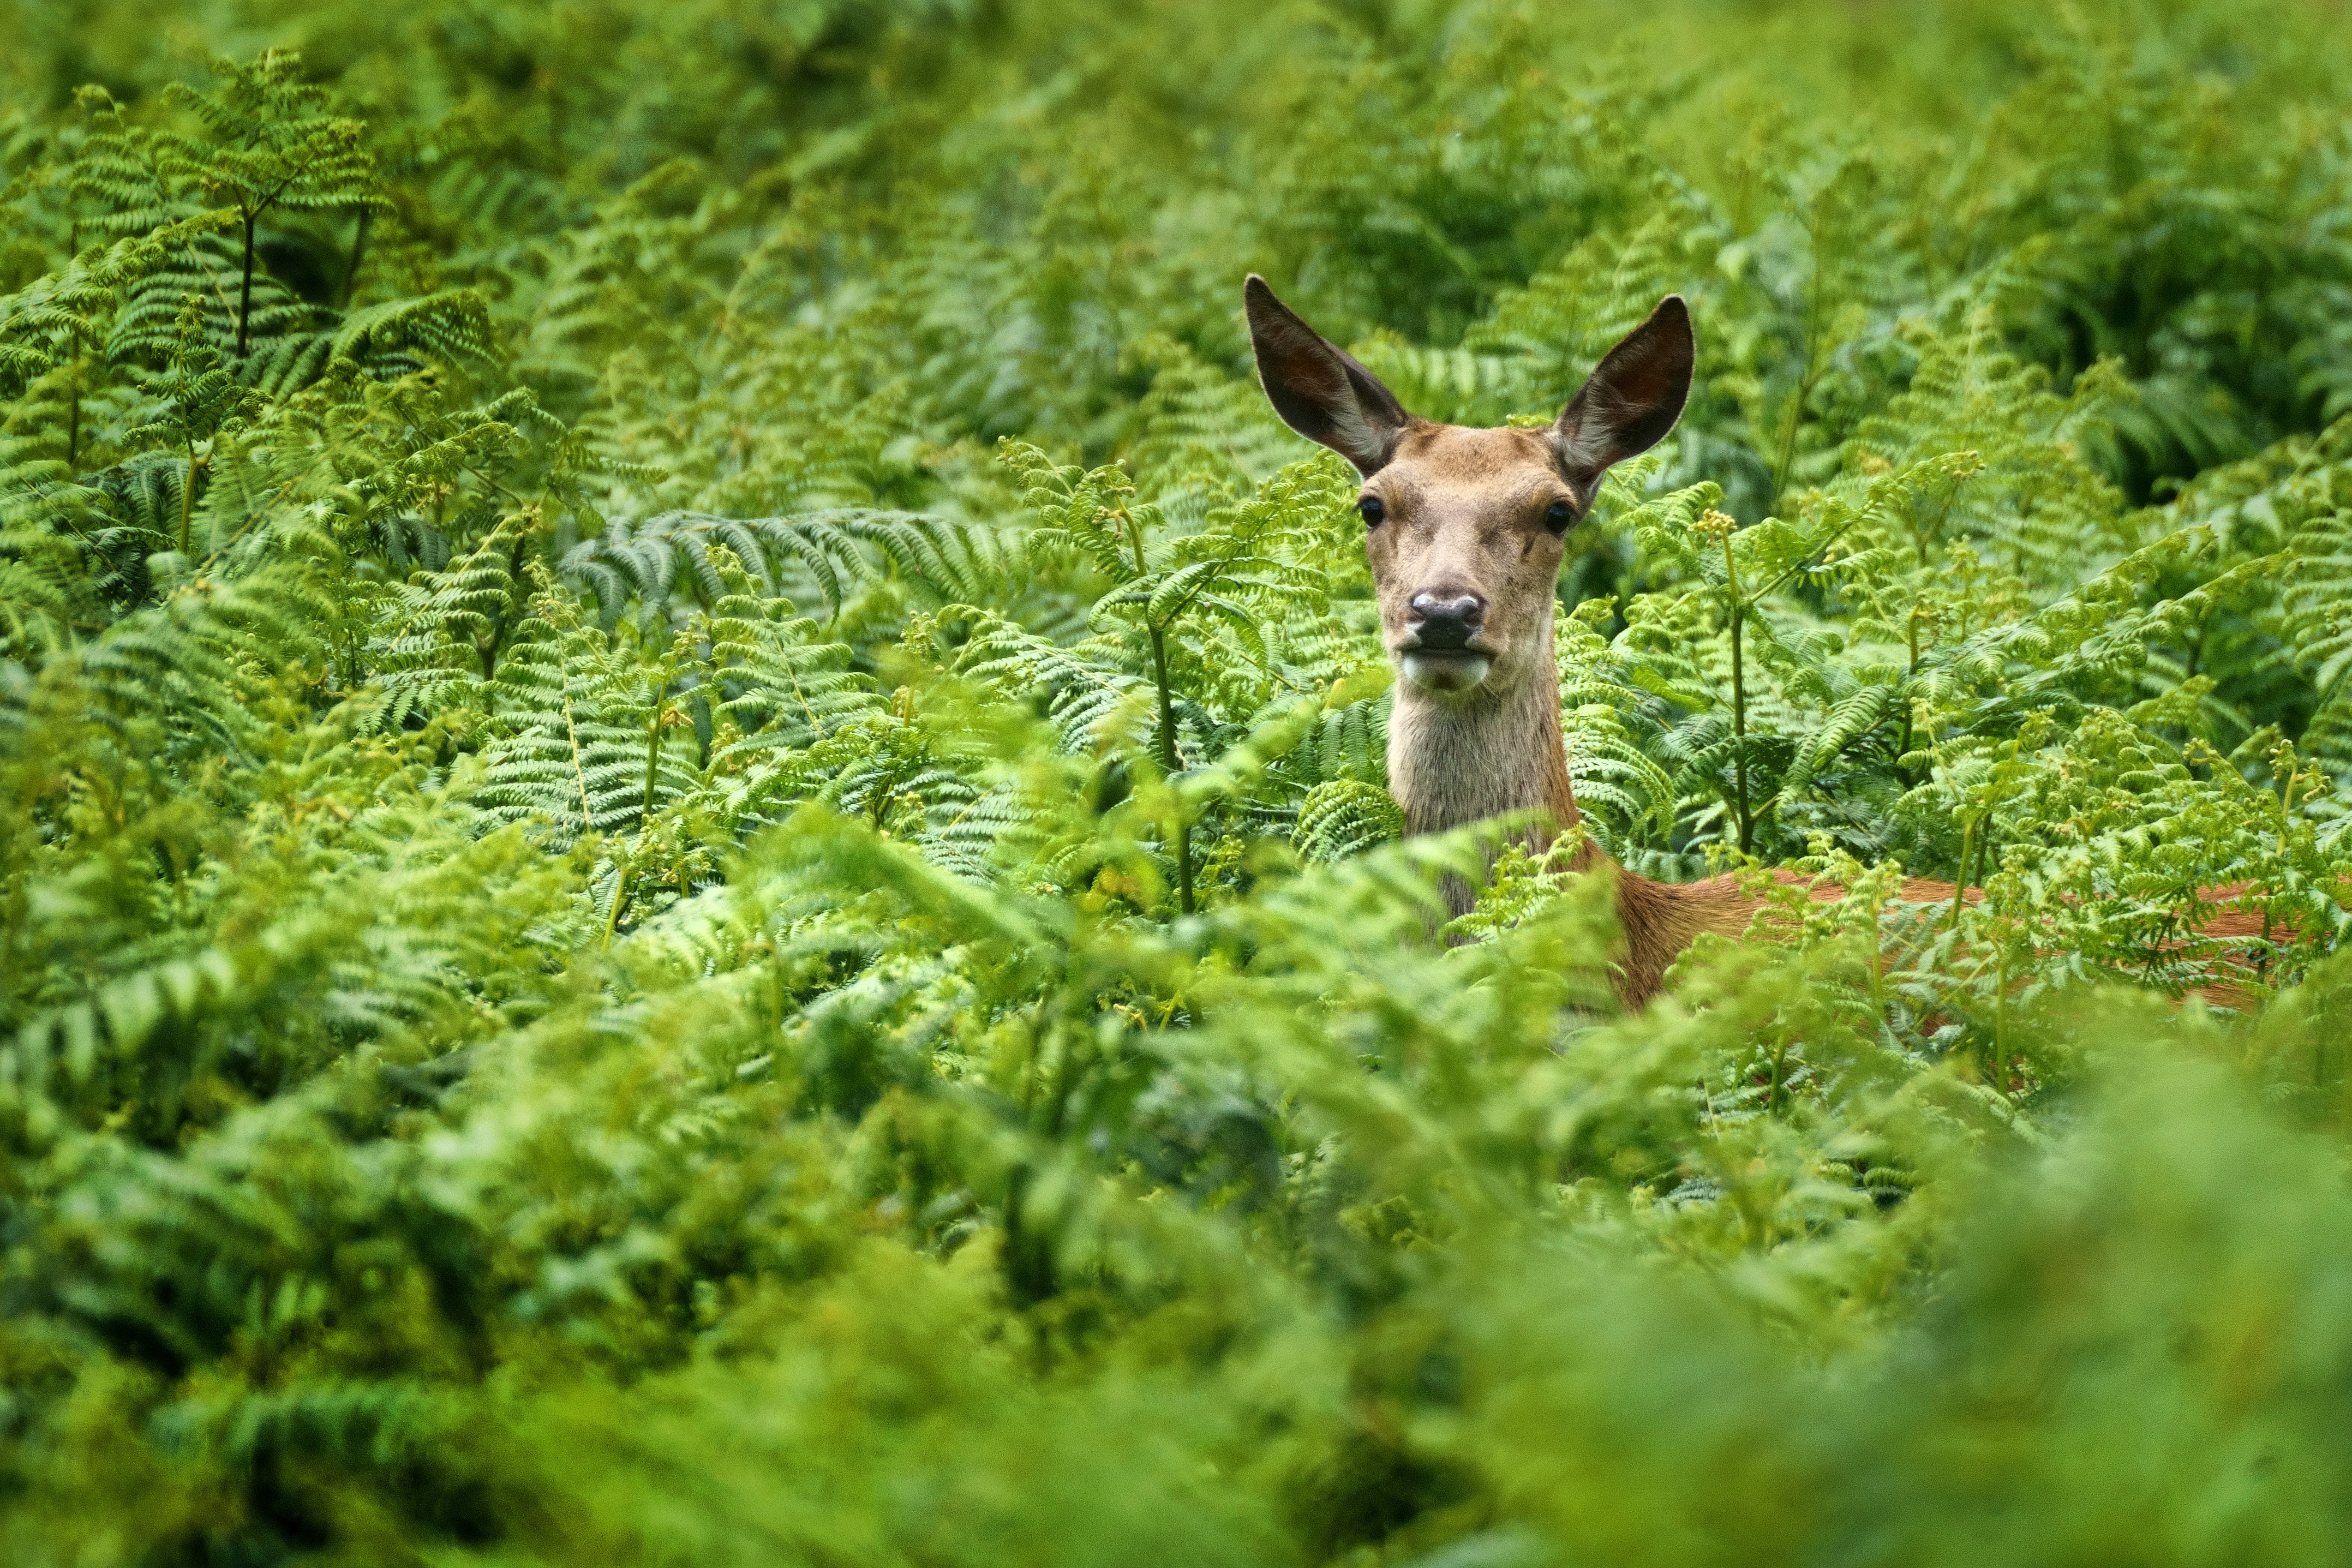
{"points": [[694, 866]]}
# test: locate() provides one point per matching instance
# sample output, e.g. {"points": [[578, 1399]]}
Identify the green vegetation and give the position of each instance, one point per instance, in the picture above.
{"points": [[695, 868]]}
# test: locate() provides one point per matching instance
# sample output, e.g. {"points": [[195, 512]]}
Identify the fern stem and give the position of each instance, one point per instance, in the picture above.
{"points": [[652, 761], [1738, 702], [2287, 802], [579, 769], [73, 405], [1910, 674], [620, 900], [187, 498], [1925, 537], [1183, 865], [1961, 877], [653, 748], [1133, 527], [245, 292], [73, 412], [2001, 1019], [1168, 766]]}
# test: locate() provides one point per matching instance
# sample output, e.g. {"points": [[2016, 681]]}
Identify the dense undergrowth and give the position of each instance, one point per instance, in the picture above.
{"points": [[695, 869]]}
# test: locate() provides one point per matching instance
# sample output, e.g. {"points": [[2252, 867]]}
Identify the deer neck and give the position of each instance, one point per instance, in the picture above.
{"points": [[1494, 750]]}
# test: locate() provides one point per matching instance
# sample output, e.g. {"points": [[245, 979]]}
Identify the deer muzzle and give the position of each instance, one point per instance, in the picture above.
{"points": [[1442, 651]]}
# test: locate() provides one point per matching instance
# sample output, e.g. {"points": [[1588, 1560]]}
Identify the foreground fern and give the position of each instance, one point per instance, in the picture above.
{"points": [[692, 795]]}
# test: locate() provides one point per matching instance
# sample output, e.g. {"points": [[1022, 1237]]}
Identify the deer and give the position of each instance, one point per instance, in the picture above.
{"points": [[1465, 529]]}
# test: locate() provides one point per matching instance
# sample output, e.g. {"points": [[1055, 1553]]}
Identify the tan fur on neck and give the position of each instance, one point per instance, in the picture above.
{"points": [[1461, 759]]}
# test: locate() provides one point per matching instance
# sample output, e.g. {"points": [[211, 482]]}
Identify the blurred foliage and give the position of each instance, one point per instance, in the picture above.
{"points": [[695, 863]]}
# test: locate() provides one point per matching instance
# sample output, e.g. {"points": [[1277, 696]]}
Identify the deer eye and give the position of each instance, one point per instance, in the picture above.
{"points": [[1560, 515], [1372, 510]]}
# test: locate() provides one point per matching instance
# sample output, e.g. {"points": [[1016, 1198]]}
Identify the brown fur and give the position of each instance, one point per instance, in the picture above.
{"points": [[1463, 512]]}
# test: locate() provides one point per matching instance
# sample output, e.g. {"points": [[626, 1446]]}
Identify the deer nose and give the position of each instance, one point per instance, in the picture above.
{"points": [[1447, 623]]}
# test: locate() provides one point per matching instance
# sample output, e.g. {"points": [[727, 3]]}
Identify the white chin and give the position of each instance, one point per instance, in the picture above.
{"points": [[1451, 673]]}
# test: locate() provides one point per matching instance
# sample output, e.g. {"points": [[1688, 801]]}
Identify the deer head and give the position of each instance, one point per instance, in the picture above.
{"points": [[1465, 529]]}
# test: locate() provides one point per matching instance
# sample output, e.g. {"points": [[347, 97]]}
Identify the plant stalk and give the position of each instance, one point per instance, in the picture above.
{"points": [[73, 413], [1911, 673], [244, 291], [579, 767], [1738, 702], [1168, 766], [1133, 528], [653, 758], [187, 498], [1961, 877]]}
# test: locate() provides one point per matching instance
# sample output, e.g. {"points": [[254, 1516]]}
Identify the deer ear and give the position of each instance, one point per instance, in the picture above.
{"points": [[1319, 389], [1632, 399]]}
